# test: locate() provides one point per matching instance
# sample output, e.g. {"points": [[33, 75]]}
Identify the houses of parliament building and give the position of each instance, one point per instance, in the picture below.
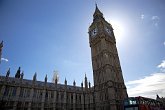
{"points": [[108, 92]]}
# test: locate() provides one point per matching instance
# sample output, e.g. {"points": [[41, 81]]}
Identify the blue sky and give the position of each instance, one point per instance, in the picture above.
{"points": [[42, 36]]}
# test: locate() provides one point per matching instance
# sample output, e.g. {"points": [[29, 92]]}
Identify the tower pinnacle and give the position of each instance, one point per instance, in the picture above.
{"points": [[8, 73], [18, 73], [1, 46], [35, 76], [65, 81], [97, 13], [86, 82], [46, 78]]}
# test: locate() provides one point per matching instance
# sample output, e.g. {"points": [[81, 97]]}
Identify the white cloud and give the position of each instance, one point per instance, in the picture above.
{"points": [[148, 86], [142, 16], [4, 59], [162, 65], [155, 20], [164, 43]]}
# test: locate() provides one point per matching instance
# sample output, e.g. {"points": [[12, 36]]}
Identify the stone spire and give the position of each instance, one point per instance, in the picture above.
{"points": [[65, 81], [22, 74], [97, 14], [1, 45], [35, 77], [8, 73], [86, 83], [18, 73], [157, 97], [56, 81], [46, 78], [89, 84], [74, 83], [82, 85]]}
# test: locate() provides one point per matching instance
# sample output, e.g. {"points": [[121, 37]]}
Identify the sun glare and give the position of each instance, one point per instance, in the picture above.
{"points": [[118, 30]]}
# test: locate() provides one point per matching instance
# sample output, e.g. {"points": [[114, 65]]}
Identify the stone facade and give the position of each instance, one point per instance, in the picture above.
{"points": [[109, 87], [107, 93], [21, 94]]}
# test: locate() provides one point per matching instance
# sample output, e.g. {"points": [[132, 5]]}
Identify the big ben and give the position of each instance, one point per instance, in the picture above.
{"points": [[109, 87]]}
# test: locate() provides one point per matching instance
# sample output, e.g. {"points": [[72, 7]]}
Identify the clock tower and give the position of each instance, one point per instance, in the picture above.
{"points": [[109, 87]]}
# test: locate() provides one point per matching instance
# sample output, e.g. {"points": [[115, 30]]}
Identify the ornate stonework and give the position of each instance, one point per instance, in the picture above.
{"points": [[109, 87]]}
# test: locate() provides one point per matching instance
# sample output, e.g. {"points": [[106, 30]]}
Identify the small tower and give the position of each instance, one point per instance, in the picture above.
{"points": [[65, 81], [18, 73], [8, 73], [89, 85], [82, 85], [86, 83], [46, 79], [74, 83], [157, 97], [22, 74], [1, 46], [56, 81], [35, 77]]}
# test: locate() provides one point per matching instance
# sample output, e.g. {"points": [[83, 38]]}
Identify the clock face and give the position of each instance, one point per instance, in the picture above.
{"points": [[94, 32], [108, 30]]}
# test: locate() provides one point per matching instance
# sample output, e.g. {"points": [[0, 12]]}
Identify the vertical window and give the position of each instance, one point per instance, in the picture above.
{"points": [[52, 94], [57, 96], [24, 94], [71, 98], [14, 91], [80, 98], [40, 94], [6, 91], [10, 91], [34, 94], [28, 93], [21, 92], [46, 95]]}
